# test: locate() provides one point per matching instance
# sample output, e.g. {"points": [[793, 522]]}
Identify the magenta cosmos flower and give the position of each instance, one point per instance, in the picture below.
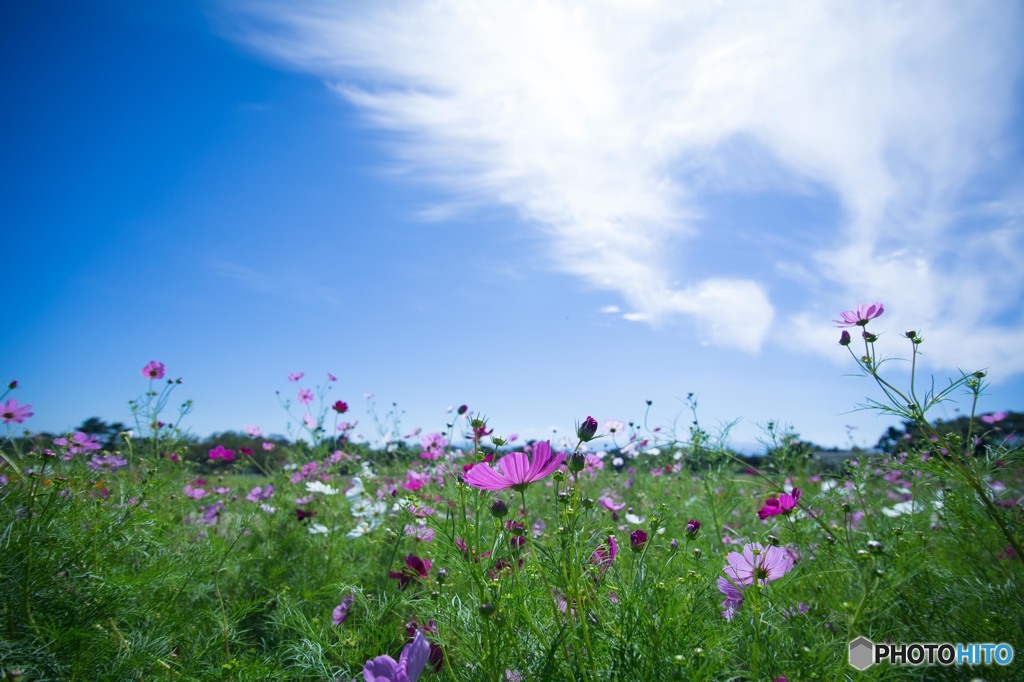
{"points": [[222, 453], [783, 505], [13, 412], [517, 470], [860, 315], [154, 370], [758, 564], [407, 668]]}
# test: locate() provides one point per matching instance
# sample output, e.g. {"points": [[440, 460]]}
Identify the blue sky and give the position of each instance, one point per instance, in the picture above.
{"points": [[542, 210]]}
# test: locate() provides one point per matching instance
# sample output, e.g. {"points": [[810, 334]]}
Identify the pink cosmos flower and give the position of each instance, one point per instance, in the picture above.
{"points": [[331, 377], [193, 492], [222, 453], [517, 470], [408, 668], [154, 370], [295, 376], [758, 564], [414, 480], [993, 418], [783, 505], [604, 555], [305, 396], [12, 412], [610, 504], [268, 446], [860, 315], [254, 431], [419, 533]]}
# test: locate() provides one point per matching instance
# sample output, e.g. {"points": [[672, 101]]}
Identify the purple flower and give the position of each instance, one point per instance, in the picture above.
{"points": [[408, 668], [733, 598], [860, 315], [692, 528], [415, 569], [587, 430], [340, 406], [212, 513], [783, 505], [517, 471], [111, 462], [260, 494], [154, 370], [12, 412], [342, 610], [637, 540], [758, 564], [305, 396], [78, 443]]}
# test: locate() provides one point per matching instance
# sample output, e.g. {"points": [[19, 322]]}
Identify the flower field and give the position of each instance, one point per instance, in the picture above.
{"points": [[624, 553]]}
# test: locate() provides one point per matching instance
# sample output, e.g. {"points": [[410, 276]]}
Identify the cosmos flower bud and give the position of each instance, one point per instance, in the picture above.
{"points": [[692, 528], [844, 338], [499, 509], [487, 610], [587, 430], [577, 461], [463, 409], [637, 540]]}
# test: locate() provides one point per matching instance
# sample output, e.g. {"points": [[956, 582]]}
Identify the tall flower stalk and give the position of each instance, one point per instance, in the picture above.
{"points": [[913, 406]]}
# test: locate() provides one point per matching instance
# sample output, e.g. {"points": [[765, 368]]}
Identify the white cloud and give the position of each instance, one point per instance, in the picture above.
{"points": [[603, 122]]}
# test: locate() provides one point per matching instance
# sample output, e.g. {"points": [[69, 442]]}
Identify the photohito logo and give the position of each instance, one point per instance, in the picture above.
{"points": [[864, 653]]}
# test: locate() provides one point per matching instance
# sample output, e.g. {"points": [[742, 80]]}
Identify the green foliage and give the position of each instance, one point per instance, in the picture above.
{"points": [[149, 561]]}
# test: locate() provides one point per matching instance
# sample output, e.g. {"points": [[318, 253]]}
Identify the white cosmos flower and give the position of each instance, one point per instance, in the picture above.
{"points": [[361, 529], [356, 491], [320, 487], [634, 519], [318, 529]]}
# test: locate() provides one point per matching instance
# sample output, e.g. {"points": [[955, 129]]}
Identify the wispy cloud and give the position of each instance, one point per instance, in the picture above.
{"points": [[294, 286], [604, 123]]}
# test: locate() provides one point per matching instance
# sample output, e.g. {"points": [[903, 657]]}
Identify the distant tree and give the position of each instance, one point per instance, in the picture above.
{"points": [[988, 429]]}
